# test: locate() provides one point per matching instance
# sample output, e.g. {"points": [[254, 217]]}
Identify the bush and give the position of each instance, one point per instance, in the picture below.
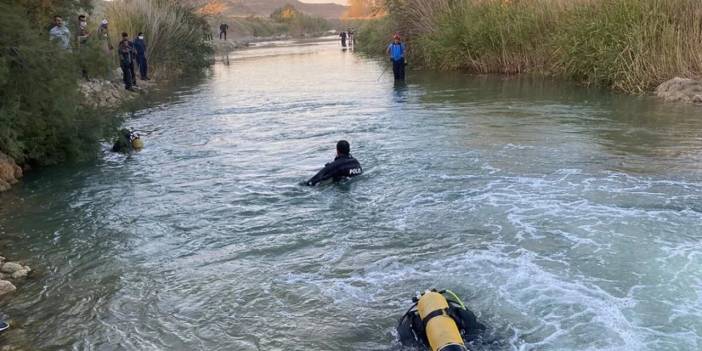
{"points": [[40, 106], [257, 27], [373, 36], [298, 24]]}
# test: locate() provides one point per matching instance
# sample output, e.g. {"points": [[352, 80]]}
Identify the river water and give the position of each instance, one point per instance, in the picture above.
{"points": [[567, 218]]}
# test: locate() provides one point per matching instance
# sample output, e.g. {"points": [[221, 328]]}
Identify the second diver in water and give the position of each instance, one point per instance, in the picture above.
{"points": [[343, 166]]}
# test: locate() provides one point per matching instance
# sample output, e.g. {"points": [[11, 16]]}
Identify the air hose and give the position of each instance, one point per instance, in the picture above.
{"points": [[458, 299]]}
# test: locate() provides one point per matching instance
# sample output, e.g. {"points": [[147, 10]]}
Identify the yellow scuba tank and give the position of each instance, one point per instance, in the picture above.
{"points": [[441, 330], [137, 144]]}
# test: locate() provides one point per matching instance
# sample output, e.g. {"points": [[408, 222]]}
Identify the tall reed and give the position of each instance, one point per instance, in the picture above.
{"points": [[628, 45], [174, 34]]}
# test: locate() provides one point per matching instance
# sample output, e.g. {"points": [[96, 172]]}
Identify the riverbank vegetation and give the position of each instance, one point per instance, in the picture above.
{"points": [[627, 45], [286, 21], [40, 113], [299, 24], [43, 118]]}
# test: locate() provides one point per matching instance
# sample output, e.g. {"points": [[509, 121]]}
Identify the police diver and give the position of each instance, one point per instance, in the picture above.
{"points": [[127, 141], [343, 166]]}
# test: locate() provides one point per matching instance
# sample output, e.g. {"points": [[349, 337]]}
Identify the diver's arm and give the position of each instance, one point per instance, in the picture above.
{"points": [[326, 173]]}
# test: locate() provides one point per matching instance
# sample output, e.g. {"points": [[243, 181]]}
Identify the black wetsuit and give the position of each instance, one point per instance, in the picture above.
{"points": [[343, 166]]}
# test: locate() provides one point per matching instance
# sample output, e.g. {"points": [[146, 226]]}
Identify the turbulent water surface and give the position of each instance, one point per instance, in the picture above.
{"points": [[568, 219]]}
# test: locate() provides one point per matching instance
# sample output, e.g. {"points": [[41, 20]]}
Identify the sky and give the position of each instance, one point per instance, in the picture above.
{"points": [[342, 2]]}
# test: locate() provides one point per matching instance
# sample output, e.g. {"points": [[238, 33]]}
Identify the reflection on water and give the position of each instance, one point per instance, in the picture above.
{"points": [[567, 218]]}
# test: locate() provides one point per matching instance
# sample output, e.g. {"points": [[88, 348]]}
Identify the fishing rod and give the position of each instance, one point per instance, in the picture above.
{"points": [[382, 73]]}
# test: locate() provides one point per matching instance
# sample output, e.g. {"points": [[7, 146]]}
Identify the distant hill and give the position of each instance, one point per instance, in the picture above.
{"points": [[263, 8]]}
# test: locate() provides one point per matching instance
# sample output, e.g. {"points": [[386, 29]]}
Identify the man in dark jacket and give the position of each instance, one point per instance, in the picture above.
{"points": [[223, 28], [124, 49], [140, 46], [343, 39], [343, 166]]}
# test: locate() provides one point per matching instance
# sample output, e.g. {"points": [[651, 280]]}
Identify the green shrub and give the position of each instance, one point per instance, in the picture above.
{"points": [[373, 36], [40, 106], [257, 27], [299, 24]]}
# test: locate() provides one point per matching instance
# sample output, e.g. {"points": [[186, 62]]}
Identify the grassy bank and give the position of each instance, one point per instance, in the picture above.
{"points": [[628, 45], [285, 21], [42, 116]]}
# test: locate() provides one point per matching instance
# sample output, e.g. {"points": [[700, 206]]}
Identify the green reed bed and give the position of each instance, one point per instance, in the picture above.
{"points": [[628, 45]]}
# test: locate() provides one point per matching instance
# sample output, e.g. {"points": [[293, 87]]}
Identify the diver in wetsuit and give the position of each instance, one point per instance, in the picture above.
{"points": [[125, 141], [343, 166]]}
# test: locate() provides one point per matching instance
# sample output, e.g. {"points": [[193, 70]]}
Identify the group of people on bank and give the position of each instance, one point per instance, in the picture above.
{"points": [[131, 53], [347, 38]]}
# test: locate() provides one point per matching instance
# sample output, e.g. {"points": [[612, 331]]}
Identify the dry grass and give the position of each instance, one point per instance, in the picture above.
{"points": [[174, 34]]}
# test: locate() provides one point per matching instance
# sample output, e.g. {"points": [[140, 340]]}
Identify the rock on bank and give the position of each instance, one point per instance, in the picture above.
{"points": [[107, 94], [10, 172], [681, 90], [11, 271]]}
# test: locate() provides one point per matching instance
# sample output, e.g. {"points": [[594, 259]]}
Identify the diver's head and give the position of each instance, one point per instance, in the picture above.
{"points": [[343, 148]]}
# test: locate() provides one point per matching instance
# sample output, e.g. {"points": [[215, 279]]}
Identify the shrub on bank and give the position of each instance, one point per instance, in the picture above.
{"points": [[298, 24], [256, 27], [628, 45], [41, 117], [373, 36]]}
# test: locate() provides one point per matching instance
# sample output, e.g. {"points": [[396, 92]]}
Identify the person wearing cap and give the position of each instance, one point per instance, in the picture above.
{"points": [[104, 35], [344, 166], [396, 51]]}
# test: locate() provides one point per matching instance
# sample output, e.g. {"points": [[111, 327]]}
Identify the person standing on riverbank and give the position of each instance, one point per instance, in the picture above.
{"points": [[396, 51], [104, 36], [223, 28], [140, 46], [83, 34], [343, 39], [60, 33], [124, 50]]}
